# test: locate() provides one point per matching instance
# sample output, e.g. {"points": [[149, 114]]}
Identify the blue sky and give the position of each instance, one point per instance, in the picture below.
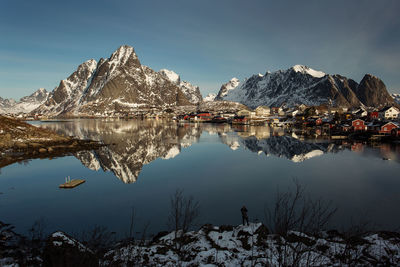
{"points": [[206, 42]]}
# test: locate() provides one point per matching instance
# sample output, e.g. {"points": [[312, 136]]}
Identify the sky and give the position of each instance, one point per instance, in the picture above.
{"points": [[207, 42]]}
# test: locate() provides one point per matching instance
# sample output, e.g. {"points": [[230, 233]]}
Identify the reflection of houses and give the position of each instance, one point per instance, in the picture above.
{"points": [[389, 113], [359, 125], [357, 147]]}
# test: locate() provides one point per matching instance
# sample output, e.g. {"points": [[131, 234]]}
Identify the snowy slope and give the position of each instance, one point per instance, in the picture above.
{"points": [[226, 88]]}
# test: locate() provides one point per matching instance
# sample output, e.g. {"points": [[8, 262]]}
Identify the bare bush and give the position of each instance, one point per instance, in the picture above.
{"points": [[183, 214], [297, 211]]}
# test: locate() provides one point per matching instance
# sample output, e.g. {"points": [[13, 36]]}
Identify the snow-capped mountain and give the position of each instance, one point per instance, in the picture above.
{"points": [[118, 83], [209, 97], [191, 92], [303, 85], [396, 98], [226, 88], [26, 104]]}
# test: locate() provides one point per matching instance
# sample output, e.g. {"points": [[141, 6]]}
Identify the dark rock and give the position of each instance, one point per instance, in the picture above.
{"points": [[225, 228], [67, 251], [159, 235], [294, 238]]}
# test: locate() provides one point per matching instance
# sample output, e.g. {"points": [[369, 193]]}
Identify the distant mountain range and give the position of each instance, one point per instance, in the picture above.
{"points": [[303, 85], [25, 104], [121, 83]]}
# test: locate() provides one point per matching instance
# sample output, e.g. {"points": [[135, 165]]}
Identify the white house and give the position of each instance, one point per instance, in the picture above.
{"points": [[263, 111], [389, 113]]}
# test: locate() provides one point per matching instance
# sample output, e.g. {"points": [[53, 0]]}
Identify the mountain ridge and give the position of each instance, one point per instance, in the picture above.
{"points": [[303, 85]]}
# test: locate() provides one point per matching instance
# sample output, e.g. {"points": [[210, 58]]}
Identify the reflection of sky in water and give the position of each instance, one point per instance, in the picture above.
{"points": [[359, 183]]}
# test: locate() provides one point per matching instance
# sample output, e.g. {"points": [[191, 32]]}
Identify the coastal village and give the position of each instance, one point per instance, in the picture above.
{"points": [[333, 122]]}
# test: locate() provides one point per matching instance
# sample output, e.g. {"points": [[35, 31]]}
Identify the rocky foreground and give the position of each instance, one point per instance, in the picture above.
{"points": [[242, 245], [20, 140]]}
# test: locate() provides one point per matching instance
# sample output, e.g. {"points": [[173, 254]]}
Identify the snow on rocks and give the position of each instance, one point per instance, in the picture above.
{"points": [[253, 245]]}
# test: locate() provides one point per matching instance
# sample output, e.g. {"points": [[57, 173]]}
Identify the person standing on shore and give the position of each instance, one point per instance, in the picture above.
{"points": [[245, 218]]}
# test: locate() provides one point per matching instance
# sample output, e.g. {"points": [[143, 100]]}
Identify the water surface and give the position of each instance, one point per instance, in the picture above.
{"points": [[222, 167]]}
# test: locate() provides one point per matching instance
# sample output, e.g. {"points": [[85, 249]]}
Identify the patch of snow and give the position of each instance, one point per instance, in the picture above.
{"points": [[306, 70]]}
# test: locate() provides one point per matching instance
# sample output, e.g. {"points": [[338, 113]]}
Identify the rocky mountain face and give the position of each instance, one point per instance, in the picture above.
{"points": [[303, 85], [118, 83], [191, 92], [26, 104], [226, 87], [372, 91]]}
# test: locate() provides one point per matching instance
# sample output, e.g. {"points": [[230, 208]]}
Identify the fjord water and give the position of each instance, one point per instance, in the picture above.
{"points": [[221, 166]]}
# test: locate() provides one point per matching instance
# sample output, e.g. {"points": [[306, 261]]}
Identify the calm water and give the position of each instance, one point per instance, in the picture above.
{"points": [[220, 166]]}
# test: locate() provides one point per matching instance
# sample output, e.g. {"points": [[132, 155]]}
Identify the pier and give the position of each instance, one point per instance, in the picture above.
{"points": [[71, 183]]}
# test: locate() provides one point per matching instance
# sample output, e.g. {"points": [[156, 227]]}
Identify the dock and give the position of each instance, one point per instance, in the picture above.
{"points": [[72, 183]]}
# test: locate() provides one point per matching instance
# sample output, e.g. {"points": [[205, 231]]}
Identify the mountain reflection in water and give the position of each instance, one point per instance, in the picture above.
{"points": [[135, 143]]}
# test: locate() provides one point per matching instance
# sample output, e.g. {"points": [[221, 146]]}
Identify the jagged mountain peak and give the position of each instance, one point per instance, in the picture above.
{"points": [[122, 54]]}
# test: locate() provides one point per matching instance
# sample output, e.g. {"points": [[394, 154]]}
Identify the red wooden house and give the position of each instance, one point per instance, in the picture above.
{"points": [[204, 116], [358, 125], [389, 128], [373, 115]]}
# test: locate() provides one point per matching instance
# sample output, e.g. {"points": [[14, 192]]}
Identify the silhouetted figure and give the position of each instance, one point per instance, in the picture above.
{"points": [[245, 218]]}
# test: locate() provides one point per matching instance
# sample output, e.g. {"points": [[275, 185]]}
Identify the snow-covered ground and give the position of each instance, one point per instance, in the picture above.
{"points": [[242, 245]]}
